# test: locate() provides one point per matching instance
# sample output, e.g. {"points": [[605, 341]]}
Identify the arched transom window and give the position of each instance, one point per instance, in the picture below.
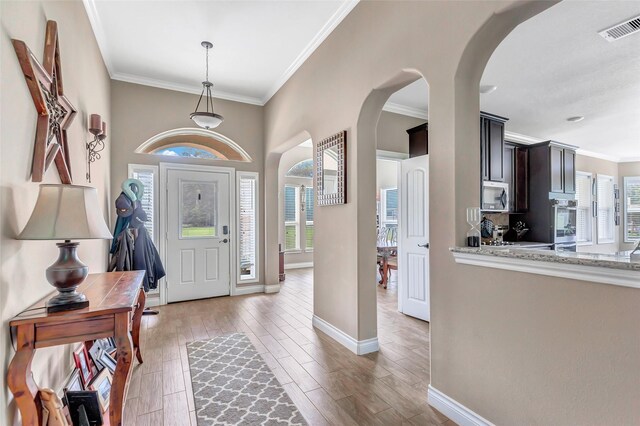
{"points": [[303, 169], [195, 143]]}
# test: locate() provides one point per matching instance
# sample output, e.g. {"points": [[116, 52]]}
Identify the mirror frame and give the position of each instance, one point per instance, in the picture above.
{"points": [[339, 140]]}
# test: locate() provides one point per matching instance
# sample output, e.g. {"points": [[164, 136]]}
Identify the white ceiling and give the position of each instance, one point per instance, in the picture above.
{"points": [[257, 45], [556, 66]]}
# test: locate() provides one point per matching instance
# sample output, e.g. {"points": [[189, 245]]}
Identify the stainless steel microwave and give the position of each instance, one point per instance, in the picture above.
{"points": [[495, 196]]}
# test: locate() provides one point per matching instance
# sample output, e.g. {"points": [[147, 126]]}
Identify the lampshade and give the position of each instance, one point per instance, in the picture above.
{"points": [[66, 212], [207, 120]]}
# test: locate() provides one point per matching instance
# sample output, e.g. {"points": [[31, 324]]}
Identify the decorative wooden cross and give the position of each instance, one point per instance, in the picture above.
{"points": [[55, 112]]}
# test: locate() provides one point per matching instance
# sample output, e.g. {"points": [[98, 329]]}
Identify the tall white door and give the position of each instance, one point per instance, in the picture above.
{"points": [[413, 248], [197, 235]]}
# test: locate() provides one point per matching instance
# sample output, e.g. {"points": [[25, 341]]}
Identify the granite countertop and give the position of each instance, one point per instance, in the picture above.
{"points": [[620, 260]]}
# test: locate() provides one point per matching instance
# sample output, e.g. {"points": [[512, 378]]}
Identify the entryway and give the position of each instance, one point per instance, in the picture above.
{"points": [[403, 201], [198, 247]]}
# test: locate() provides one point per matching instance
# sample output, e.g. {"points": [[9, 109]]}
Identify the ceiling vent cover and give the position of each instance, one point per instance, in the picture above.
{"points": [[621, 30]]}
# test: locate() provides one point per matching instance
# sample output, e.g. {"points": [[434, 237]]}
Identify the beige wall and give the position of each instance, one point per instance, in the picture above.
{"points": [[516, 348], [86, 84], [288, 160], [140, 112], [597, 166], [392, 131]]}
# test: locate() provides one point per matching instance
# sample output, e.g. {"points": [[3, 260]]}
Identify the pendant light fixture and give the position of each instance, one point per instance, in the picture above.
{"points": [[206, 119]]}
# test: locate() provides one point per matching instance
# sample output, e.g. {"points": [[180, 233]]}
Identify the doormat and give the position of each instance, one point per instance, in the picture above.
{"points": [[232, 385]]}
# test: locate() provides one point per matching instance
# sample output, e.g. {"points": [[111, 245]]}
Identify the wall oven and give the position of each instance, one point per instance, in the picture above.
{"points": [[564, 224], [495, 196]]}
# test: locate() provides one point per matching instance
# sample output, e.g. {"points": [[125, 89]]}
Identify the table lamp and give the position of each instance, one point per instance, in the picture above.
{"points": [[66, 212]]}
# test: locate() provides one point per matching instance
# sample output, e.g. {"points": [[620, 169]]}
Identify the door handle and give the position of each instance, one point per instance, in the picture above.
{"points": [[426, 245], [225, 241]]}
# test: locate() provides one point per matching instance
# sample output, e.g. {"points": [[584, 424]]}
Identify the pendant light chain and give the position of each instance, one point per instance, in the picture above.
{"points": [[207, 119]]}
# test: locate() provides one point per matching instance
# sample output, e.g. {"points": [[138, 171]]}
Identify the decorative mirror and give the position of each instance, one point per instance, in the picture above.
{"points": [[331, 170]]}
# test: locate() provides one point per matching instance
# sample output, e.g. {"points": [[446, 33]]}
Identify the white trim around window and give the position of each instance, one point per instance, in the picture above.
{"points": [[289, 223], [605, 209], [630, 183], [584, 214], [241, 179]]}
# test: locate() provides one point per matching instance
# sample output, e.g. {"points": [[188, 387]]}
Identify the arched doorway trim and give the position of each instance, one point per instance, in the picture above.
{"points": [[221, 146]]}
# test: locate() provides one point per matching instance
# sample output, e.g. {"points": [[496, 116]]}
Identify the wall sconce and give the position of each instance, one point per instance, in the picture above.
{"points": [[98, 128]]}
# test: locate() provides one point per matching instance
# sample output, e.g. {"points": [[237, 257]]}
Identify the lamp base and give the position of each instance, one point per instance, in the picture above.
{"points": [[67, 306], [66, 274]]}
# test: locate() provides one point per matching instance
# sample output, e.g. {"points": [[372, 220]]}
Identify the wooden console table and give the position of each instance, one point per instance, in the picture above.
{"points": [[116, 302]]}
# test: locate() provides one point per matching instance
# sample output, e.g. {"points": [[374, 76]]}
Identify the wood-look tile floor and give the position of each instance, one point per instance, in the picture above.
{"points": [[329, 384]]}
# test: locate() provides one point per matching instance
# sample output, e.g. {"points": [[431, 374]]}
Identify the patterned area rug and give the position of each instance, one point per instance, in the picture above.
{"points": [[232, 385]]}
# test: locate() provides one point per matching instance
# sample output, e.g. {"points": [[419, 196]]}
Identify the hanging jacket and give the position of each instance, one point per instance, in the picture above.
{"points": [[146, 257], [122, 258]]}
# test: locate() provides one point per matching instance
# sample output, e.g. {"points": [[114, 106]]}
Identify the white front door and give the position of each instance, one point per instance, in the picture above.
{"points": [[413, 248], [197, 235]]}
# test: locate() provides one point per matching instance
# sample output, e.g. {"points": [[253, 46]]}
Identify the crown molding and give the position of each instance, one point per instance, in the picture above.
{"points": [[405, 110], [96, 26], [324, 32], [161, 84], [520, 138], [327, 28], [592, 154]]}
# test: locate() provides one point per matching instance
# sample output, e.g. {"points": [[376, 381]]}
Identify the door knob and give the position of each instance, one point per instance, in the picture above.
{"points": [[426, 245], [225, 241]]}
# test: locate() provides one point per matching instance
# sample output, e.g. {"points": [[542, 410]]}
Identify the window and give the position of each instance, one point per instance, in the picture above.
{"points": [[584, 214], [291, 218], [148, 175], [199, 214], [187, 152], [606, 211], [308, 230], [389, 208], [631, 209], [303, 169], [189, 143], [248, 225]]}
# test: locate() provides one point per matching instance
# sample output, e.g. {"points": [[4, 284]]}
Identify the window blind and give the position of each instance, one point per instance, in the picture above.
{"points": [[309, 198], [146, 176], [605, 209], [248, 223], [632, 208], [291, 224], [584, 204], [391, 208]]}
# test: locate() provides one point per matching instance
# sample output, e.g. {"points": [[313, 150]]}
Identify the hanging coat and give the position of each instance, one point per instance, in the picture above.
{"points": [[146, 257]]}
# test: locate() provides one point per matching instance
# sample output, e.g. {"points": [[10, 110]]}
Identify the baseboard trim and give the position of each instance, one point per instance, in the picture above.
{"points": [[249, 289], [273, 288], [454, 410], [152, 301], [298, 265], [358, 347]]}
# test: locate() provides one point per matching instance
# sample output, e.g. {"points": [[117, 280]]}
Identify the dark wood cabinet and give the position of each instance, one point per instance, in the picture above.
{"points": [[521, 179], [516, 174], [554, 165], [492, 147], [556, 169], [569, 171], [418, 140]]}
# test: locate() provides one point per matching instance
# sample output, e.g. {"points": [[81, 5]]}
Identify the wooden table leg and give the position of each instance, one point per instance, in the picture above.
{"points": [[385, 273], [135, 328], [20, 378], [124, 346]]}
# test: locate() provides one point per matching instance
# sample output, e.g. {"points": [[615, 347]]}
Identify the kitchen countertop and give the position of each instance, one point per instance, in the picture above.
{"points": [[520, 244], [620, 260]]}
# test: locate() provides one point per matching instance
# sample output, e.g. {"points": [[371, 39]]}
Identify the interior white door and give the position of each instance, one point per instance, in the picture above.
{"points": [[413, 247], [197, 235]]}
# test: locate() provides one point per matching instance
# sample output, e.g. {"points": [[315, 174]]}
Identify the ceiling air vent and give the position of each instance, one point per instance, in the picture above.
{"points": [[621, 30]]}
